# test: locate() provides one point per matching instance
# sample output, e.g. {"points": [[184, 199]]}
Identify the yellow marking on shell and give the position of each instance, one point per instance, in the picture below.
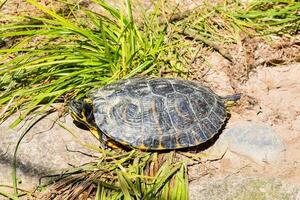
{"points": [[178, 146], [123, 143], [112, 145], [142, 147], [160, 146]]}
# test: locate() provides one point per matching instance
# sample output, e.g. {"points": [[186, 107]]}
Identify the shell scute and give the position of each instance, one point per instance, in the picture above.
{"points": [[183, 139], [180, 111], [183, 89], [138, 88], [161, 86], [199, 105], [168, 141], [198, 134], [208, 128]]}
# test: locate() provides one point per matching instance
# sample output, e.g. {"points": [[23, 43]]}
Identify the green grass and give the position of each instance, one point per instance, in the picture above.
{"points": [[126, 176], [72, 55], [59, 56], [54, 58], [229, 22]]}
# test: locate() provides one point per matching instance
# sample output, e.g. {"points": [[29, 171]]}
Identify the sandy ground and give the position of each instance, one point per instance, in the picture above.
{"points": [[267, 74], [272, 96]]}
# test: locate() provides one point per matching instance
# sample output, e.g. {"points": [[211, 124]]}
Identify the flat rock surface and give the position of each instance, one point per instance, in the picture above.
{"points": [[242, 188], [46, 149], [256, 141]]}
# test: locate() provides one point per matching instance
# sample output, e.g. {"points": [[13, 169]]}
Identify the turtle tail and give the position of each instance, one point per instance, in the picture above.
{"points": [[231, 100]]}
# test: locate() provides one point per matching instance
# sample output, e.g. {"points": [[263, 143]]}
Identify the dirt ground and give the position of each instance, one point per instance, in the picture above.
{"points": [[270, 94], [268, 76]]}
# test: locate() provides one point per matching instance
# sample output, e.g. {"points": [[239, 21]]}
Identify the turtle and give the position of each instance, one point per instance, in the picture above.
{"points": [[151, 113]]}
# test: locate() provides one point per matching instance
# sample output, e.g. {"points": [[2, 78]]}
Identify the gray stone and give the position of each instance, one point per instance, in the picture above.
{"points": [[237, 187], [256, 141], [46, 149]]}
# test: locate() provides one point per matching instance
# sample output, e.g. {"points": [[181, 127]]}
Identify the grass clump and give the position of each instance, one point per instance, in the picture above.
{"points": [[226, 22], [132, 175], [55, 57], [120, 175], [238, 30]]}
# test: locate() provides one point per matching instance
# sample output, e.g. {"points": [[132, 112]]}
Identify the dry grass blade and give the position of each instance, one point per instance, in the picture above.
{"points": [[122, 177]]}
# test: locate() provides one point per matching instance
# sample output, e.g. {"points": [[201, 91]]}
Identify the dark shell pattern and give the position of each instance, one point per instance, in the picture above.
{"points": [[158, 113]]}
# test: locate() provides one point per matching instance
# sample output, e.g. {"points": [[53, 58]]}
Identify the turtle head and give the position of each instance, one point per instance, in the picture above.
{"points": [[82, 112]]}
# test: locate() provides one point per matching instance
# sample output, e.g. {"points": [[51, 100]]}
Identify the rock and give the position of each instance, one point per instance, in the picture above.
{"points": [[256, 141], [43, 151], [242, 188]]}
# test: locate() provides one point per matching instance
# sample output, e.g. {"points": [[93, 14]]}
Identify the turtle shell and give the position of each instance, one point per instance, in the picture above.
{"points": [[158, 113]]}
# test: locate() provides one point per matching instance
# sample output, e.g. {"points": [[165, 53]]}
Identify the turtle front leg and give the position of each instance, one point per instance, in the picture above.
{"points": [[103, 140], [100, 136], [106, 142]]}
